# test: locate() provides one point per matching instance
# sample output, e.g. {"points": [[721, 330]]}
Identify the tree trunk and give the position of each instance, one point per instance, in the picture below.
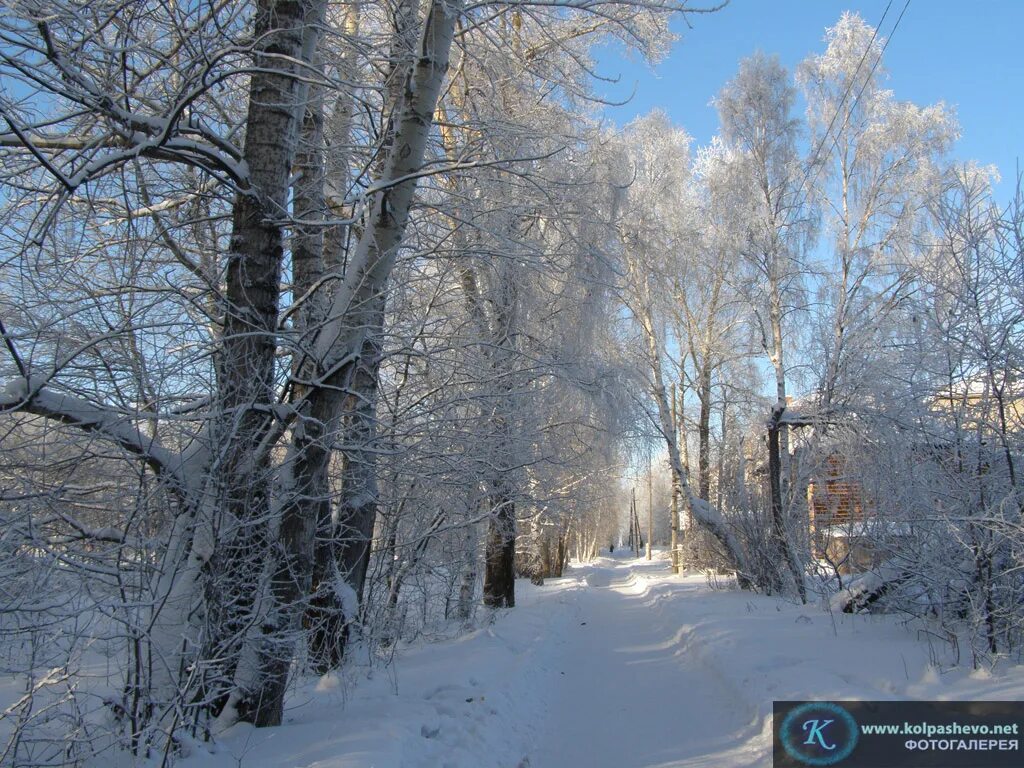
{"points": [[343, 541], [348, 346], [704, 432], [499, 558], [467, 585], [496, 329], [780, 528], [287, 33]]}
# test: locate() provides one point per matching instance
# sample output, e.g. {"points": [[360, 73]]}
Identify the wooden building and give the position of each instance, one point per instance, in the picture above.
{"points": [[840, 519]]}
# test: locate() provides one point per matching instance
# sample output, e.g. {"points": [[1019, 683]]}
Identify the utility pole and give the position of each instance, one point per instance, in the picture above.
{"points": [[650, 503], [634, 523], [675, 490], [632, 529]]}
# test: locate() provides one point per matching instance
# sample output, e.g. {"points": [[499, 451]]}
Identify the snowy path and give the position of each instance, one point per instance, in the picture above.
{"points": [[631, 694], [617, 665]]}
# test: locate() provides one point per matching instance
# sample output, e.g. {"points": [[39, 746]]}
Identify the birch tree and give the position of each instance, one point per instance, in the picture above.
{"points": [[755, 114], [878, 164]]}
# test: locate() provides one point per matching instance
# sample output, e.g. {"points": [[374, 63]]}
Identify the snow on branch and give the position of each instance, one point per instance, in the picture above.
{"points": [[28, 396]]}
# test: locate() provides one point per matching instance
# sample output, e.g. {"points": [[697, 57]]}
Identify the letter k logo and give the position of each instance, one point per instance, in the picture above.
{"points": [[815, 730]]}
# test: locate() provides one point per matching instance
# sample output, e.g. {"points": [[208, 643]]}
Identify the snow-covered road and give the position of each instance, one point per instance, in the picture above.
{"points": [[617, 665], [631, 695]]}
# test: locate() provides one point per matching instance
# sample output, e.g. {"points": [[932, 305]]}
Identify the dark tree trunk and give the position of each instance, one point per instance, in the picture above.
{"points": [[774, 483], [704, 435], [342, 552], [499, 566], [780, 532], [353, 326], [286, 33]]}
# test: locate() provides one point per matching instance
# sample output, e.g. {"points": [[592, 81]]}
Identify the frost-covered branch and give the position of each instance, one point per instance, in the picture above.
{"points": [[30, 396]]}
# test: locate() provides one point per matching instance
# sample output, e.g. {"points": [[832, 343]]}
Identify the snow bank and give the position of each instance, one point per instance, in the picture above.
{"points": [[769, 649], [472, 702]]}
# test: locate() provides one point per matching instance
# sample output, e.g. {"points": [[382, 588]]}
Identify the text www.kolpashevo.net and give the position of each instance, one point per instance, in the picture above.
{"points": [[898, 734]]}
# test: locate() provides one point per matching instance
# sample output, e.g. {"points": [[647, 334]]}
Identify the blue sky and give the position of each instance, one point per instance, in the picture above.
{"points": [[967, 53]]}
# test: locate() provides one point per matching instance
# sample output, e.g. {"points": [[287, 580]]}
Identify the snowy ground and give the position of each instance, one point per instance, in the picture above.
{"points": [[618, 665]]}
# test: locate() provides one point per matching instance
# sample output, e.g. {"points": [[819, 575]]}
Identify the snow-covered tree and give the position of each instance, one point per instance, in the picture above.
{"points": [[760, 132]]}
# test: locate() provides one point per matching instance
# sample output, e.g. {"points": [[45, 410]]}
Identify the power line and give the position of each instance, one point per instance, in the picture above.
{"points": [[849, 87], [879, 59], [853, 105]]}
